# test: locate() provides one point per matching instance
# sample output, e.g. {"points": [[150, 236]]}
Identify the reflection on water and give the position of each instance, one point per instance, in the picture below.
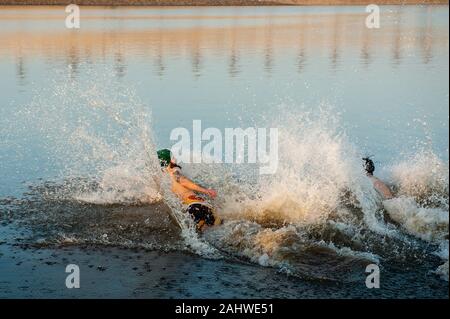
{"points": [[122, 34], [20, 66]]}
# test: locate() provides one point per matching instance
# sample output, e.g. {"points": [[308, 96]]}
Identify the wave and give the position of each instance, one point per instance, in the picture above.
{"points": [[423, 176], [429, 224], [422, 206], [288, 250]]}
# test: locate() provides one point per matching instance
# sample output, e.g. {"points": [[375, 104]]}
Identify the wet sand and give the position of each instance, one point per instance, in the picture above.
{"points": [[109, 272], [29, 270]]}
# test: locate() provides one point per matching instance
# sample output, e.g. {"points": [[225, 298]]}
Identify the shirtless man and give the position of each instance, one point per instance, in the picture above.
{"points": [[187, 191], [381, 187]]}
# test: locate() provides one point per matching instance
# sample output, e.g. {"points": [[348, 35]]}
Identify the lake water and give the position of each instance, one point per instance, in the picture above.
{"points": [[83, 110]]}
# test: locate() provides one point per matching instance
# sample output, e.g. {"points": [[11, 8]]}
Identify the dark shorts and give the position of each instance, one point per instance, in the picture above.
{"points": [[201, 212]]}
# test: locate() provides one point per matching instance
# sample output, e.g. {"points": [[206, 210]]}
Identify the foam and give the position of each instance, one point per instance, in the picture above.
{"points": [[429, 224]]}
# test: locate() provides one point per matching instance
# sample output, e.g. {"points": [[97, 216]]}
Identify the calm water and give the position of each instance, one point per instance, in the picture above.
{"points": [[84, 103]]}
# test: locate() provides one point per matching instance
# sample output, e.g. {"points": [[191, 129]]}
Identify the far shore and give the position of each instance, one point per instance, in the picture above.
{"points": [[217, 2]]}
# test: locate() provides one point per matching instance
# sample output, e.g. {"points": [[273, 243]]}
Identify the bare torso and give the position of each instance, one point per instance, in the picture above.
{"points": [[381, 187], [182, 192]]}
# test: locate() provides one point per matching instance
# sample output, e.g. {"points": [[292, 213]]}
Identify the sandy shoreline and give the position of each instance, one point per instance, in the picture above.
{"points": [[214, 2]]}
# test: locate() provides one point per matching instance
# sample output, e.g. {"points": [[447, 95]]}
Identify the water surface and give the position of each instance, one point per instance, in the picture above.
{"points": [[83, 110]]}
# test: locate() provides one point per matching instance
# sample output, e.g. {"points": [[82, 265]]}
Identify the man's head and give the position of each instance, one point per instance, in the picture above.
{"points": [[369, 166], [165, 157]]}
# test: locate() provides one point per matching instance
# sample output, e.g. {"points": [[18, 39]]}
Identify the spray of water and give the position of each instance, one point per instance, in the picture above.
{"points": [[319, 208], [421, 208]]}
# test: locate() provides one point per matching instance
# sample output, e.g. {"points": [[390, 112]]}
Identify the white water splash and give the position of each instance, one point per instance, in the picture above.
{"points": [[103, 133]]}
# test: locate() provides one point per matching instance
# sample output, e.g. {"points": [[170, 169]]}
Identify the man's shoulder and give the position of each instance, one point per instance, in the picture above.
{"points": [[175, 173]]}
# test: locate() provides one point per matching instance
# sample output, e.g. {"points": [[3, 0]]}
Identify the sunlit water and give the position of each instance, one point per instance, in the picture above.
{"points": [[83, 112]]}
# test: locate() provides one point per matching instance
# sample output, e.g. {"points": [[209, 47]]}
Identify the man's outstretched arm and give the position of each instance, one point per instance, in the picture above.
{"points": [[186, 182]]}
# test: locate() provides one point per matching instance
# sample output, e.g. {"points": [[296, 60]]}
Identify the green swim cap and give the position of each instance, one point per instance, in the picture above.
{"points": [[164, 157]]}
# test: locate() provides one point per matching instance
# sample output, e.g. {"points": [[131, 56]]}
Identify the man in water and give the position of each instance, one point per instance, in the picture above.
{"points": [[381, 187], [187, 190]]}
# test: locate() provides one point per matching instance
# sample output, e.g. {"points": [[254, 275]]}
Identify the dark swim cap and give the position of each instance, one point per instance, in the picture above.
{"points": [[369, 166], [164, 157]]}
